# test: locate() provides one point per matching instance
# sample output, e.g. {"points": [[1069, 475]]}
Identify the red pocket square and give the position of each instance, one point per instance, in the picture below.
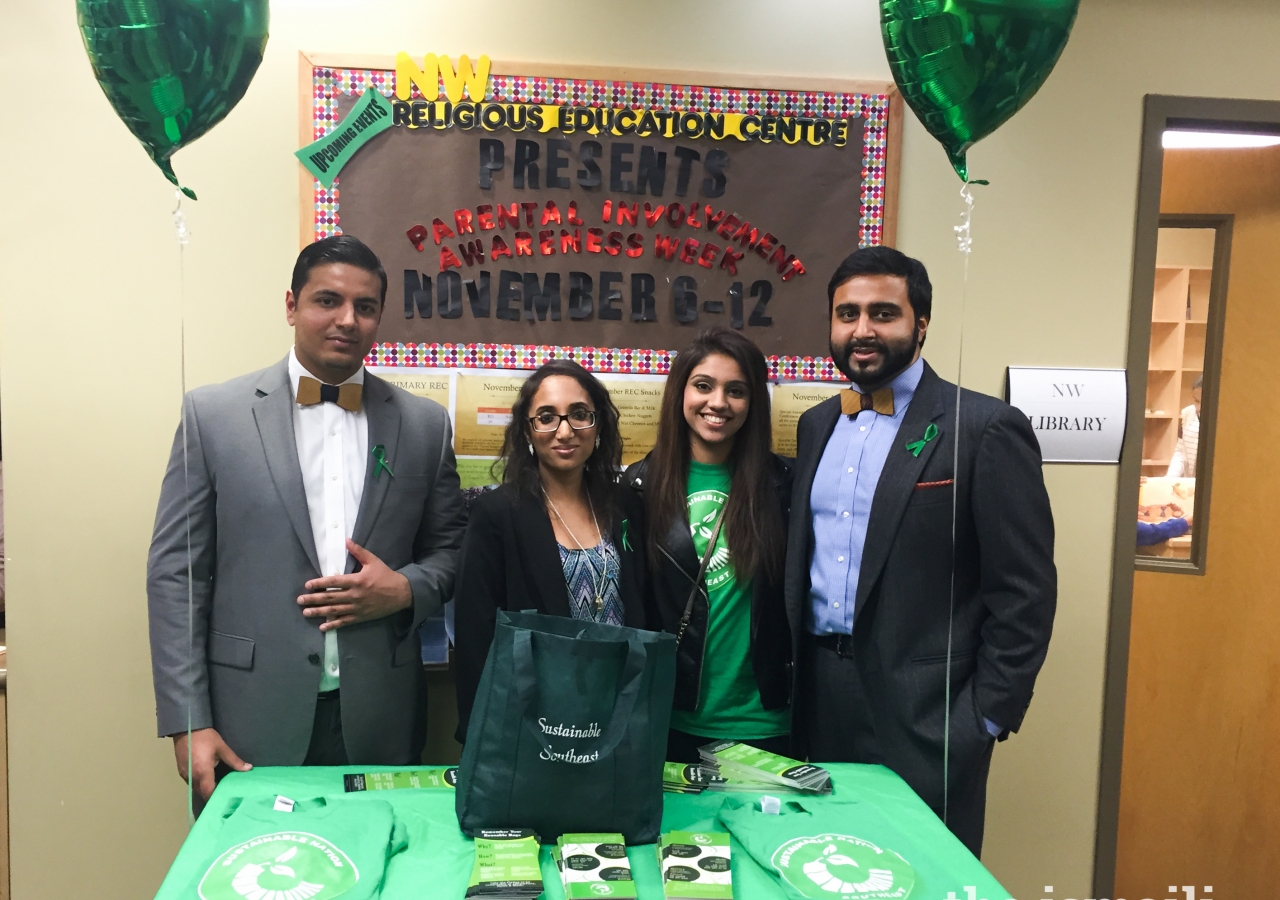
{"points": [[934, 484]]}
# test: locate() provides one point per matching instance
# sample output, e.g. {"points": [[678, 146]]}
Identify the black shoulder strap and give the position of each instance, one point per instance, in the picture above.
{"points": [[702, 571]]}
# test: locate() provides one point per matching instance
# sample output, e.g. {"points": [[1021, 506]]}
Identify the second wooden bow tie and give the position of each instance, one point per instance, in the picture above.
{"points": [[852, 402], [346, 396]]}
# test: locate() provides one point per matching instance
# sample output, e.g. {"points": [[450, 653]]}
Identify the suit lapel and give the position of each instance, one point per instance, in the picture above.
{"points": [[826, 413], [630, 585], [898, 480], [383, 415], [541, 554], [273, 414]]}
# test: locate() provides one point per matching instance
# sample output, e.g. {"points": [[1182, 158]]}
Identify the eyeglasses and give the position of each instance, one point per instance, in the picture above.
{"points": [[578, 419]]}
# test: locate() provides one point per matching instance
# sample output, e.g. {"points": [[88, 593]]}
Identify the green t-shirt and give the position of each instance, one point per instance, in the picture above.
{"points": [[321, 848], [826, 850], [729, 705]]}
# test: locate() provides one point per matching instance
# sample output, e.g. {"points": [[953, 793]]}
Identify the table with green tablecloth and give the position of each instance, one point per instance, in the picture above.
{"points": [[437, 861]]}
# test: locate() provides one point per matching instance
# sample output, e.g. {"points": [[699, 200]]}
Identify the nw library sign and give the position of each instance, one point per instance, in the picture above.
{"points": [[1078, 415]]}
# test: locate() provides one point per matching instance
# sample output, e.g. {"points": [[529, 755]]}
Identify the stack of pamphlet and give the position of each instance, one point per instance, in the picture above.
{"points": [[746, 768], [444, 777], [678, 778], [594, 865], [506, 866], [695, 865]]}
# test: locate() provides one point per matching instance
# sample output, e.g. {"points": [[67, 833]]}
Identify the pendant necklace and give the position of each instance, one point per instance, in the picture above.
{"points": [[597, 583]]}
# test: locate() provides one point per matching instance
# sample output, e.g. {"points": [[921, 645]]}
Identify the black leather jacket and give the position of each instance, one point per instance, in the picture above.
{"points": [[672, 583]]}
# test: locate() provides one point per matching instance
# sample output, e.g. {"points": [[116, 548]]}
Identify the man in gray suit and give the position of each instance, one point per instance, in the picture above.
{"points": [[309, 521]]}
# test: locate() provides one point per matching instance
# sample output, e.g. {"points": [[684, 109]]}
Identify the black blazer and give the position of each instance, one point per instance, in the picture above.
{"points": [[672, 582], [510, 561], [1005, 580]]}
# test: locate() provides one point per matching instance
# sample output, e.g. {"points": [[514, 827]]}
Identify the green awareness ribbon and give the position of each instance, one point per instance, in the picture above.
{"points": [[379, 454], [929, 434], [626, 543], [325, 158]]}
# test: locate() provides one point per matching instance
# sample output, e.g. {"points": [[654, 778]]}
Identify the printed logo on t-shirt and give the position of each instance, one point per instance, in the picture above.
{"points": [[704, 507], [841, 867], [287, 865]]}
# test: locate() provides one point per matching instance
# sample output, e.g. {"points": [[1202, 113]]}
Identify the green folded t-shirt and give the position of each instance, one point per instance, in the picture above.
{"points": [[323, 848], [815, 851]]}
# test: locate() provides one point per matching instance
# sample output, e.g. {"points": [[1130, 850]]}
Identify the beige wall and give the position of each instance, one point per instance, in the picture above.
{"points": [[90, 365]]}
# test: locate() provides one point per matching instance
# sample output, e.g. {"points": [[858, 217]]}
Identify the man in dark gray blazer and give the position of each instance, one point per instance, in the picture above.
{"points": [[881, 599], [309, 521]]}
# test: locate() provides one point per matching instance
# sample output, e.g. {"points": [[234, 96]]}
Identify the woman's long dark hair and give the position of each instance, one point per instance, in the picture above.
{"points": [[519, 466], [752, 520]]}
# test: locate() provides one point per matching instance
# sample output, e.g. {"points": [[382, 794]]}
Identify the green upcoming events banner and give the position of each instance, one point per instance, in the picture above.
{"points": [[325, 158]]}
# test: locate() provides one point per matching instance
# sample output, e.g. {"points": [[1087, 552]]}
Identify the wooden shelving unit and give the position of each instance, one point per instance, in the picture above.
{"points": [[1179, 312]]}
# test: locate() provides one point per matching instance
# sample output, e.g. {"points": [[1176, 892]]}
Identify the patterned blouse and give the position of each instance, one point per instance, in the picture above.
{"points": [[587, 570]]}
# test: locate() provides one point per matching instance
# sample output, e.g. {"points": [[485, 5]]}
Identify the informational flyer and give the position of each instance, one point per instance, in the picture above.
{"points": [[639, 402], [477, 471], [479, 403], [790, 401], [482, 411], [430, 383]]}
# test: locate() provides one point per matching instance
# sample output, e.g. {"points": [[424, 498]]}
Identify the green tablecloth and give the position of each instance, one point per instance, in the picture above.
{"points": [[438, 860]]}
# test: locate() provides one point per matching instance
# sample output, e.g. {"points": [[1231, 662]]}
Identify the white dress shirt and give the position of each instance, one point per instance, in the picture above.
{"points": [[1183, 463], [332, 448]]}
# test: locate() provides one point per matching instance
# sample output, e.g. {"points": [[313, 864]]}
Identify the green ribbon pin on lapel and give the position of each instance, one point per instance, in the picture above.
{"points": [[929, 434], [626, 543], [379, 453]]}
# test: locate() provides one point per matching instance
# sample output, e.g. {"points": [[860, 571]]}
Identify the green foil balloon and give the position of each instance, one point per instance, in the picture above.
{"points": [[966, 66], [173, 69]]}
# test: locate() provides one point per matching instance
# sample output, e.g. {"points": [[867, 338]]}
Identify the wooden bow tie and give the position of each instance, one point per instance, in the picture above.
{"points": [[311, 392], [852, 402]]}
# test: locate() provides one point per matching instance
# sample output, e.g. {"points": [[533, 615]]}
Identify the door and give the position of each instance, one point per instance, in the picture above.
{"points": [[1199, 798]]}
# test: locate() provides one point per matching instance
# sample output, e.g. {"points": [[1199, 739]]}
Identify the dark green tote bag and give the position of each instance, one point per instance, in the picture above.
{"points": [[569, 729]]}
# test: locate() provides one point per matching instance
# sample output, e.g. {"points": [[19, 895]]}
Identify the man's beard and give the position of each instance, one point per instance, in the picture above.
{"points": [[894, 357]]}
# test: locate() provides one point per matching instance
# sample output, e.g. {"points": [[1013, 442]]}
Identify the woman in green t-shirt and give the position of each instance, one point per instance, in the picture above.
{"points": [[714, 490]]}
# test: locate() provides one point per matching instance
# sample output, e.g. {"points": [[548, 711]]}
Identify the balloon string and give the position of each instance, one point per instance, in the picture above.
{"points": [[964, 235], [183, 235], [964, 240]]}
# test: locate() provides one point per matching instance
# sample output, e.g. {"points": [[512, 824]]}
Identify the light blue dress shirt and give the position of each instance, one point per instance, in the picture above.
{"points": [[840, 503]]}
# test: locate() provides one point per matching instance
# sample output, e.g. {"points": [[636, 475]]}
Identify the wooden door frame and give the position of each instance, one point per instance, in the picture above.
{"points": [[1221, 223], [1159, 113]]}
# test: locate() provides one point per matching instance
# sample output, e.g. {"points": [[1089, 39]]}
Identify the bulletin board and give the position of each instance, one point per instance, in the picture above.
{"points": [[603, 215]]}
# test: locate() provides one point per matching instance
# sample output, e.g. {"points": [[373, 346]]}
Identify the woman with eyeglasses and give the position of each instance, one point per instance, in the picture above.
{"points": [[560, 535], [716, 503]]}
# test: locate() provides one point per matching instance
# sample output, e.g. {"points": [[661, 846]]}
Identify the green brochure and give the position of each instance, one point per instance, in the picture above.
{"points": [[506, 865], [437, 777], [680, 778], [594, 865], [695, 865], [752, 764]]}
